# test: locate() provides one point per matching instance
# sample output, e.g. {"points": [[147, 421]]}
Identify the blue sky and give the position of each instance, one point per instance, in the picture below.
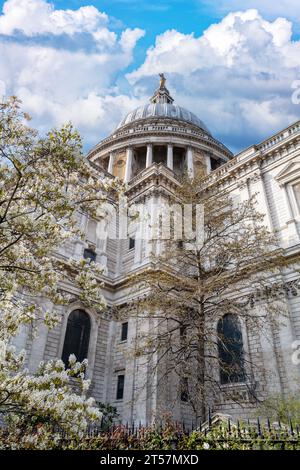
{"points": [[154, 16], [232, 62]]}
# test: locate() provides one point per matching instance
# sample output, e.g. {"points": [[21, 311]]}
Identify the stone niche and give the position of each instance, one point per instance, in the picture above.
{"points": [[200, 167], [119, 165]]}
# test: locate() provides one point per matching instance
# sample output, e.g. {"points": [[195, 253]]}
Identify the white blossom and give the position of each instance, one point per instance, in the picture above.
{"points": [[43, 183]]}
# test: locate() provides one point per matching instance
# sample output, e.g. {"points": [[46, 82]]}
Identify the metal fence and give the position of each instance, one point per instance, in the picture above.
{"points": [[215, 433]]}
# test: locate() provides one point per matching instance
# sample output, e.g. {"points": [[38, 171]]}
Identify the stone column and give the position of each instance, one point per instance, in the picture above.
{"points": [[139, 234], [148, 227], [190, 162], [170, 157], [256, 186], [208, 163], [111, 163], [292, 231], [40, 341], [79, 243], [101, 243], [149, 157], [128, 169], [285, 338]]}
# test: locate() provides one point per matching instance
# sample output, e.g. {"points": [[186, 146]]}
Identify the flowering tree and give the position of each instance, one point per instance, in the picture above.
{"points": [[44, 184]]}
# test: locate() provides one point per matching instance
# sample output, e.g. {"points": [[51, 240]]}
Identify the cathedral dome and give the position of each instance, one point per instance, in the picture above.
{"points": [[161, 106], [163, 110], [162, 133]]}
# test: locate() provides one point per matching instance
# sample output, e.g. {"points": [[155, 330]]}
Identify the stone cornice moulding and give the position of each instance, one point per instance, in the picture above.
{"points": [[117, 142], [234, 168]]}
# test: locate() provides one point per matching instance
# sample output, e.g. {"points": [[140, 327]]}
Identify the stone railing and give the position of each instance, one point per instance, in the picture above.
{"points": [[150, 128], [261, 148]]}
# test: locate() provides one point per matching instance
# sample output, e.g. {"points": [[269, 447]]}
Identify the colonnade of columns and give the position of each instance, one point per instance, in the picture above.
{"points": [[149, 161]]}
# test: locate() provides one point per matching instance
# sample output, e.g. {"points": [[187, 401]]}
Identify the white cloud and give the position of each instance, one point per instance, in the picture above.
{"points": [[269, 8], [34, 17], [70, 77], [236, 76], [70, 65]]}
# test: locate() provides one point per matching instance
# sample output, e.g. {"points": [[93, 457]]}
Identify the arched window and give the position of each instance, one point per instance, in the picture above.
{"points": [[77, 336], [230, 346]]}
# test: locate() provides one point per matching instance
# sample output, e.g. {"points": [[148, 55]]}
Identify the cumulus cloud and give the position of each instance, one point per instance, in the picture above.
{"points": [[70, 65], [237, 76], [64, 65], [37, 16], [268, 8]]}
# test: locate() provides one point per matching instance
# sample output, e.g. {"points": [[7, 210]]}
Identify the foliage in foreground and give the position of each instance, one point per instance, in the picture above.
{"points": [[45, 185], [281, 408], [170, 437]]}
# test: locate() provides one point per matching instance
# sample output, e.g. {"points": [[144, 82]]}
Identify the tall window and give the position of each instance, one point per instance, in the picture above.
{"points": [[120, 387], [230, 346], [89, 254], [124, 331], [77, 336], [184, 389], [131, 244]]}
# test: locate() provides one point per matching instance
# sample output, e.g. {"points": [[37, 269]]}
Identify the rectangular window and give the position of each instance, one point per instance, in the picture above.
{"points": [[131, 243], [120, 387], [180, 244], [89, 254], [124, 331], [184, 389], [182, 330]]}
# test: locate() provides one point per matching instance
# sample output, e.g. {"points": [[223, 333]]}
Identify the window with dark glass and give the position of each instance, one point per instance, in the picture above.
{"points": [[230, 347], [184, 389], [77, 336], [180, 244], [131, 243], [120, 387], [124, 331], [89, 254], [182, 330], [215, 163]]}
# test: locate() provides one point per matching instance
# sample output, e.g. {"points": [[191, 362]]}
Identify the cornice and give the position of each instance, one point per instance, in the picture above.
{"points": [[157, 175], [152, 128], [258, 156]]}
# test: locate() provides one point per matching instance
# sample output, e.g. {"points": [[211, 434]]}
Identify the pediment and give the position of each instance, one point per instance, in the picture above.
{"points": [[290, 172]]}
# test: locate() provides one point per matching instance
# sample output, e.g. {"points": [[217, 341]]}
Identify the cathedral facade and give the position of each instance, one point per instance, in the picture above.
{"points": [[150, 150]]}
